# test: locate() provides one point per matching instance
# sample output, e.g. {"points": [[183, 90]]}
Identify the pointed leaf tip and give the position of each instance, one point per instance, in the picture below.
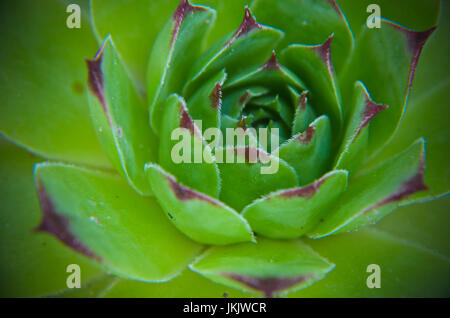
{"points": [[303, 99], [306, 136], [324, 52], [370, 111], [272, 63], [183, 9], [248, 24], [95, 78], [58, 225], [216, 96]]}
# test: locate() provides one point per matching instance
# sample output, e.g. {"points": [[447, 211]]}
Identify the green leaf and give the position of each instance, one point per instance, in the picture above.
{"points": [[269, 267], [308, 152], [396, 66], [178, 44], [373, 194], [202, 218], [183, 152], [304, 113], [250, 45], [308, 22], [426, 111], [120, 117], [248, 173], [292, 213], [32, 264], [356, 137], [92, 213], [313, 64], [43, 105], [134, 25]]}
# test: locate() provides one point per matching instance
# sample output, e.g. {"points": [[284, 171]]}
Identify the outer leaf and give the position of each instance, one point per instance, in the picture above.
{"points": [[270, 267], [313, 64], [251, 44], [197, 215], [200, 171], [178, 44], [134, 25], [425, 115], [308, 152], [308, 22], [243, 180], [377, 192], [395, 67], [100, 216], [354, 147], [292, 213], [31, 264], [43, 106], [119, 117]]}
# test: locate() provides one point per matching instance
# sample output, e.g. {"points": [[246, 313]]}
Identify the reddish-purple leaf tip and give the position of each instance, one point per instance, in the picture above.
{"points": [[242, 123], [216, 96], [324, 52], [96, 80], [183, 9], [416, 40], [306, 136], [371, 109], [185, 194], [302, 100], [248, 24], [58, 225], [272, 63], [268, 285], [306, 192]]}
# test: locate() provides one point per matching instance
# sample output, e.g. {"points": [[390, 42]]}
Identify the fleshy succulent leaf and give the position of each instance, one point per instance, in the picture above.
{"points": [[91, 213], [387, 76], [293, 212], [44, 106], [183, 152], [178, 44], [373, 194], [425, 113], [248, 173], [200, 217], [251, 44], [270, 267], [119, 117], [354, 146], [314, 64], [132, 26], [311, 24], [309, 152], [30, 259]]}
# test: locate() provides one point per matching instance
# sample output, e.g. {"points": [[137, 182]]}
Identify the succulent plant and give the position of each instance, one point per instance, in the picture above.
{"points": [[332, 101]]}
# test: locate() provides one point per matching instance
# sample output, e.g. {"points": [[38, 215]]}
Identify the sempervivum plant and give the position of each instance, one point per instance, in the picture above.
{"points": [[143, 180]]}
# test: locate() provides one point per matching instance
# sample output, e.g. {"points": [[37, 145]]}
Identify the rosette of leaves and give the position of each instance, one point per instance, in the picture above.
{"points": [[113, 201]]}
